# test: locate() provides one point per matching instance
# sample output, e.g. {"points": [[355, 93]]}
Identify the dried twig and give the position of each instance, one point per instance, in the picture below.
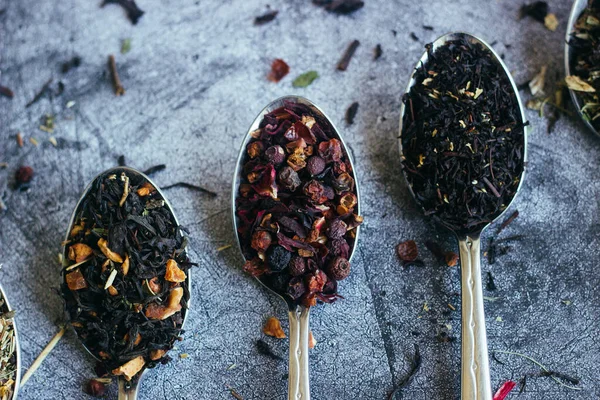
{"points": [[345, 60], [112, 66], [40, 359]]}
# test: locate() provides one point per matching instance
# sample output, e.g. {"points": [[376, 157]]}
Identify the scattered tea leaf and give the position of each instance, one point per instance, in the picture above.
{"points": [[536, 10], [340, 6], [536, 85], [351, 113], [377, 52], [154, 169], [551, 22], [414, 37], [574, 82], [504, 390], [345, 60], [114, 74], [6, 92], [265, 18], [491, 285], [74, 62], [305, 79], [134, 13], [19, 139]]}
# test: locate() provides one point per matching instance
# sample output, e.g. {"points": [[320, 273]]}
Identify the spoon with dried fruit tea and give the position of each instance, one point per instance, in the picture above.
{"points": [[580, 64], [463, 144], [126, 278], [296, 213], [10, 356]]}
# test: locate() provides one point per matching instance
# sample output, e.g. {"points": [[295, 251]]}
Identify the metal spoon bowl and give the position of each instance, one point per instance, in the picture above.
{"points": [[298, 381], [127, 390], [475, 374], [7, 308], [578, 7]]}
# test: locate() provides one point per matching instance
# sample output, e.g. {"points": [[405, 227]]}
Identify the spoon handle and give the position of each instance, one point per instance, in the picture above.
{"points": [[298, 381], [125, 392], [475, 377]]}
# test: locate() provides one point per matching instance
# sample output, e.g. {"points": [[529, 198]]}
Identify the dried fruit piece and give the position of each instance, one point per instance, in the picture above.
{"points": [[174, 273], [111, 255], [279, 69], [261, 240], [407, 251], [79, 252], [451, 258], [95, 388], [315, 165], [275, 154], [75, 280], [339, 268], [312, 342], [130, 368], [278, 258], [157, 354], [273, 328]]}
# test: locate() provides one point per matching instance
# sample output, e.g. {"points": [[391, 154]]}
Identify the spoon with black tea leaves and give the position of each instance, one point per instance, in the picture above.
{"points": [[464, 148], [165, 302], [579, 6], [298, 374]]}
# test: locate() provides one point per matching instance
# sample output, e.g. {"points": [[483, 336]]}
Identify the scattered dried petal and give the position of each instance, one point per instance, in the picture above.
{"points": [[273, 328]]}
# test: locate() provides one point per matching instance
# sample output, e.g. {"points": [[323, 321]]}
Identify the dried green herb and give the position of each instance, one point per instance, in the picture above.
{"points": [[305, 79], [125, 46]]}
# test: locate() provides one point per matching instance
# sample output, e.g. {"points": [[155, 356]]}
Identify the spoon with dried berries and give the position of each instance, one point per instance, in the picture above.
{"points": [[463, 144], [296, 215], [126, 278]]}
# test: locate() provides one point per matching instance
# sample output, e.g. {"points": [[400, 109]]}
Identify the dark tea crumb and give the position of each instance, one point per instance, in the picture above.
{"points": [[507, 222], [351, 113], [491, 285], [414, 37], [23, 176], [345, 60], [462, 137], [134, 13], [121, 161], [6, 92], [428, 27], [265, 18], [377, 52], [340, 6], [154, 169], [296, 206], [69, 65], [537, 10], [279, 69]]}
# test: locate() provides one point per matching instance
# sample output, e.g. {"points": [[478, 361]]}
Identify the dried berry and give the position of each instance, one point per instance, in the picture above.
{"points": [[331, 150], [95, 388], [339, 248], [316, 281], [278, 282], [23, 175], [338, 268], [297, 266], [343, 183], [296, 288], [315, 165], [278, 258], [275, 154], [261, 240], [289, 179], [279, 69], [337, 229], [407, 251]]}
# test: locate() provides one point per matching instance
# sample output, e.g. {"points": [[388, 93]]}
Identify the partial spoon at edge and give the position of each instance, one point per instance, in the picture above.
{"points": [[17, 382], [127, 390], [578, 7], [475, 370], [298, 379]]}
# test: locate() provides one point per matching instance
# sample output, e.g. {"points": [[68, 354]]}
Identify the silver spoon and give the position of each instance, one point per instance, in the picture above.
{"points": [[17, 347], [298, 378], [475, 374], [127, 390], [578, 7]]}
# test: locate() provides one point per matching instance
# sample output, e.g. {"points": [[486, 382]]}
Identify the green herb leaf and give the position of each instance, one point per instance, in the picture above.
{"points": [[125, 46], [305, 79]]}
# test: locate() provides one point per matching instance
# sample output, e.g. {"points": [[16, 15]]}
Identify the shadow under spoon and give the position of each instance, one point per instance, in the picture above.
{"points": [[128, 390], [475, 372], [298, 374]]}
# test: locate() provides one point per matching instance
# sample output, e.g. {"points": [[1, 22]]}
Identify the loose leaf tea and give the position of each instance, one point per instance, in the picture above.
{"points": [[296, 206], [462, 136], [584, 62], [8, 355], [340, 6], [134, 13], [305, 79], [265, 18], [125, 284]]}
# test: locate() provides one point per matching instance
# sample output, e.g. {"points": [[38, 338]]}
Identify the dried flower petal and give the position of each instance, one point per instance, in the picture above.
{"points": [[576, 83], [451, 258], [504, 390], [312, 342]]}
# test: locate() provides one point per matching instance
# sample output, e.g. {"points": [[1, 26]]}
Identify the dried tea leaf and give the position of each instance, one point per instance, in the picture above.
{"points": [[305, 79], [265, 18], [536, 85], [125, 46], [576, 83]]}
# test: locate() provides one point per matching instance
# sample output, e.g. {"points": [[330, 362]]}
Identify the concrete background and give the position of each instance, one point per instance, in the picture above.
{"points": [[195, 79]]}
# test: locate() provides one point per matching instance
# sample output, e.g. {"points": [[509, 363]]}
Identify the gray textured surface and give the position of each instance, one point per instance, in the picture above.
{"points": [[195, 79]]}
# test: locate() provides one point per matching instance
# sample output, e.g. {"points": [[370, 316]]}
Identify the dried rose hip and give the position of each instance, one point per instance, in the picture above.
{"points": [[451, 258], [296, 206], [407, 251]]}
